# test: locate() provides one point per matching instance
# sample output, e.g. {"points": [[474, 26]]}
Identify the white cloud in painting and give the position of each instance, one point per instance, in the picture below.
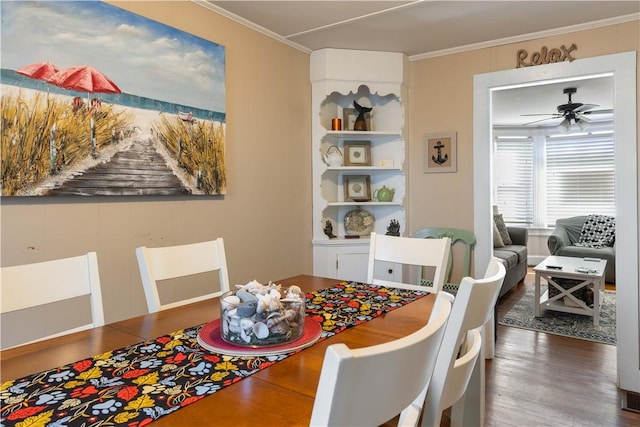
{"points": [[141, 56]]}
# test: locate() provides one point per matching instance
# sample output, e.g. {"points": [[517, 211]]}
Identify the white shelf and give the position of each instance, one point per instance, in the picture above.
{"points": [[363, 169], [337, 135], [364, 204], [559, 305], [333, 90], [341, 241]]}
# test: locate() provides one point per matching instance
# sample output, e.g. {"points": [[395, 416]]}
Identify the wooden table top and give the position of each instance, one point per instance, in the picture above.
{"points": [[281, 394]]}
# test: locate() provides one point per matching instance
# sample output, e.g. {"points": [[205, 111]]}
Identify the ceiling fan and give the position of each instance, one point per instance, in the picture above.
{"points": [[571, 113]]}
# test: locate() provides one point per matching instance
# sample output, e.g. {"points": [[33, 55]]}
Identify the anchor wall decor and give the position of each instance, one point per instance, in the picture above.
{"points": [[440, 152], [440, 159]]}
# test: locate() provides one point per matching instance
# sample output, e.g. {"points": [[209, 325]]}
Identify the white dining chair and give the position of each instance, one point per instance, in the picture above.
{"points": [[409, 251], [472, 309], [171, 262], [369, 386], [40, 284]]}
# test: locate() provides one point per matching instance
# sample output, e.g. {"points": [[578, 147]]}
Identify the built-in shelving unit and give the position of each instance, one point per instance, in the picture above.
{"points": [[372, 79]]}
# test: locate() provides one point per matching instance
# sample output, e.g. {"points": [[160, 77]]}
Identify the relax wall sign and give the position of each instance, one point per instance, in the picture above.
{"points": [[545, 56]]}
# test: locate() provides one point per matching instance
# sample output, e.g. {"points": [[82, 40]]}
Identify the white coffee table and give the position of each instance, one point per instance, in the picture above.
{"points": [[589, 272]]}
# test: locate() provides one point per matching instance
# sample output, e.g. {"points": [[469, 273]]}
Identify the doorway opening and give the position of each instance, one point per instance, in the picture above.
{"points": [[623, 68]]}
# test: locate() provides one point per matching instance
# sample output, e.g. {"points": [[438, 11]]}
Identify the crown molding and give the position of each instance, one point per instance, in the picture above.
{"points": [[531, 36], [253, 26]]}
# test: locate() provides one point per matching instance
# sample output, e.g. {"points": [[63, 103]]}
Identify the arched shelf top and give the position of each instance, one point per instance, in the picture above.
{"points": [[363, 95]]}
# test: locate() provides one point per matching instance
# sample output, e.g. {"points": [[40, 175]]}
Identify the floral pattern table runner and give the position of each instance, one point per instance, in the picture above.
{"points": [[137, 384]]}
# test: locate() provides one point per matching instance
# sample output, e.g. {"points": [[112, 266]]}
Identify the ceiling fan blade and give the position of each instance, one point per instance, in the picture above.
{"points": [[583, 118], [538, 121], [585, 107], [555, 115], [608, 111]]}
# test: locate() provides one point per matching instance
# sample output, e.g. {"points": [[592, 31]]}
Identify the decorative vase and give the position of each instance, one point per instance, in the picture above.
{"points": [[259, 315], [361, 122]]}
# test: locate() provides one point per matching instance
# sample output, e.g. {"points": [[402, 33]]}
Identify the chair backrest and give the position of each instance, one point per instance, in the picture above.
{"points": [[457, 235], [409, 251], [32, 285], [573, 226], [463, 366], [172, 262], [472, 308], [369, 386]]}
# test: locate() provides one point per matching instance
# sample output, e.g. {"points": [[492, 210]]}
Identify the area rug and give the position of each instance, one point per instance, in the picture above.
{"points": [[566, 324]]}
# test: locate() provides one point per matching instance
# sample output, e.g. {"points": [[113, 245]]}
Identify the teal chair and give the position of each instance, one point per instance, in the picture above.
{"points": [[457, 236]]}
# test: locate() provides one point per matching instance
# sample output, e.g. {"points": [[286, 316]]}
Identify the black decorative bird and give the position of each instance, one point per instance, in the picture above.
{"points": [[361, 123]]}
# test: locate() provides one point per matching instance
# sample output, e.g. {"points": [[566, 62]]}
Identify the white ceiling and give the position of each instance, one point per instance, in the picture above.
{"points": [[423, 29]]}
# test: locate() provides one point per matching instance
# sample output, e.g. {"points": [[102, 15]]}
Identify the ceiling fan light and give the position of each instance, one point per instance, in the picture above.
{"points": [[582, 124], [564, 126]]}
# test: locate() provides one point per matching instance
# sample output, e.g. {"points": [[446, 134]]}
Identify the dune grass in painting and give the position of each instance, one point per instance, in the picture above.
{"points": [[46, 139], [42, 134], [199, 148]]}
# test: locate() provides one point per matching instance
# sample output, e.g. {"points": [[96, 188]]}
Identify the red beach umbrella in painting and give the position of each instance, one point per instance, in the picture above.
{"points": [[83, 78], [38, 70]]}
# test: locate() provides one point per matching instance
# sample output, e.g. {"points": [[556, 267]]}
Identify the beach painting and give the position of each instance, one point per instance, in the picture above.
{"points": [[97, 101]]}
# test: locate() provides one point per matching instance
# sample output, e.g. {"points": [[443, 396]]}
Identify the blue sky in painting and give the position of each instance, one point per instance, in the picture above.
{"points": [[141, 56]]}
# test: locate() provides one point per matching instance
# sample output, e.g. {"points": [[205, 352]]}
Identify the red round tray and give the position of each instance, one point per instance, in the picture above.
{"points": [[209, 338]]}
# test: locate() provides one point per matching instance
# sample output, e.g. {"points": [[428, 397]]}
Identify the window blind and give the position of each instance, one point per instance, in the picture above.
{"points": [[539, 179], [513, 175], [580, 176]]}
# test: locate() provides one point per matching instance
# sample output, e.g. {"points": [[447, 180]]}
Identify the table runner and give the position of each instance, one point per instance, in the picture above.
{"points": [[137, 384]]}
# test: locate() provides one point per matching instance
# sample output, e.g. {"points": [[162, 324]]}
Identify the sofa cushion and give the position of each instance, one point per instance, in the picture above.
{"points": [[608, 253], [510, 257], [519, 250], [598, 231], [502, 229], [497, 239]]}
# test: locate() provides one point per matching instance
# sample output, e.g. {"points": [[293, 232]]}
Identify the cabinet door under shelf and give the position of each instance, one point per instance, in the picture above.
{"points": [[353, 266], [342, 260]]}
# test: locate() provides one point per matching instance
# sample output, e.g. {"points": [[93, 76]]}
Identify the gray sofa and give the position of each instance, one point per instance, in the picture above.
{"points": [[567, 232], [514, 258]]}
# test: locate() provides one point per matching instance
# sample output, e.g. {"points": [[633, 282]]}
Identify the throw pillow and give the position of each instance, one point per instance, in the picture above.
{"points": [[502, 229], [598, 231], [497, 239]]}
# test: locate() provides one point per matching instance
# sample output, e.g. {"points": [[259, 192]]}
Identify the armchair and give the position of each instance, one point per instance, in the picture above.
{"points": [[563, 239]]}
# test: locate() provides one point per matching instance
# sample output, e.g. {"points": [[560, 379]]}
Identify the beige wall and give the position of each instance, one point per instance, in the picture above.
{"points": [[265, 218], [441, 100]]}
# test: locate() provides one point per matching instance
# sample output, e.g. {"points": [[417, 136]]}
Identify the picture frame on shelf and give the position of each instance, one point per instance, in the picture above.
{"points": [[349, 116], [440, 152], [357, 188], [357, 153]]}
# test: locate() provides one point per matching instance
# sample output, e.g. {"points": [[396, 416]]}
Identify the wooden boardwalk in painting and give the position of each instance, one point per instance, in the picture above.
{"points": [[139, 171]]}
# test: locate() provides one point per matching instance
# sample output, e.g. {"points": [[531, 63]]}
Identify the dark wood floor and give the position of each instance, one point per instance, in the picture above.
{"points": [[539, 379]]}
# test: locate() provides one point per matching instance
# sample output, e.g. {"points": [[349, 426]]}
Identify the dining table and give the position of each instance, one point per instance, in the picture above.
{"points": [[280, 394]]}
